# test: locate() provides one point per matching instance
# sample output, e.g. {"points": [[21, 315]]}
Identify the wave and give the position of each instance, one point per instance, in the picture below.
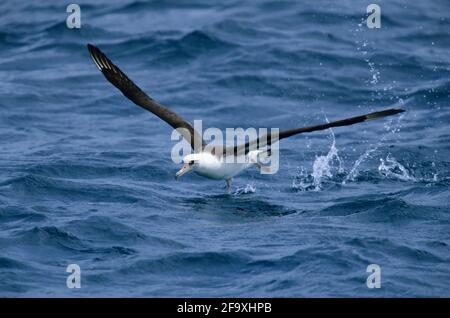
{"points": [[190, 263], [9, 263], [18, 213], [96, 235], [65, 189], [382, 208], [76, 170], [139, 6], [50, 236], [390, 247], [238, 205]]}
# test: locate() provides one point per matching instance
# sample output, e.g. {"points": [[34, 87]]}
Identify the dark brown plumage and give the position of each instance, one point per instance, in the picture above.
{"points": [[114, 75]]}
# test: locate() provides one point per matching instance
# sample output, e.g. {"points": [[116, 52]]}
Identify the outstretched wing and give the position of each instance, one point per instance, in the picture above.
{"points": [[114, 75], [270, 138]]}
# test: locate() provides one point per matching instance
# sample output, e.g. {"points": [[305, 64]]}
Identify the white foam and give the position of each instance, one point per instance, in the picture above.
{"points": [[249, 188], [323, 168], [391, 168]]}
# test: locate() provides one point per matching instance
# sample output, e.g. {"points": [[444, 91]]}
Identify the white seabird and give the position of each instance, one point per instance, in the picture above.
{"points": [[210, 161]]}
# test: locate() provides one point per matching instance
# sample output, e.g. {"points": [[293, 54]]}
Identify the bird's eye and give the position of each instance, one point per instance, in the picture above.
{"points": [[191, 162]]}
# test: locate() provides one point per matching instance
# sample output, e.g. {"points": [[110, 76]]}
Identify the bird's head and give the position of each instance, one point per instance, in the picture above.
{"points": [[190, 163]]}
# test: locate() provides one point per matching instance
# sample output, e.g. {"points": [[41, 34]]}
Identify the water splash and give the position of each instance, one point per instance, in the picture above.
{"points": [[249, 188], [373, 72], [323, 165], [323, 169], [393, 169], [355, 169], [303, 181], [392, 127]]}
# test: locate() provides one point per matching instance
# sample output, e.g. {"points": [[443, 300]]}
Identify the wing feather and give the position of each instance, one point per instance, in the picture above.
{"points": [[269, 138], [128, 88]]}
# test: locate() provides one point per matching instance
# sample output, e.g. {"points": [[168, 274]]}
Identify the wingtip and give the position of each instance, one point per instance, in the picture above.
{"points": [[90, 47], [93, 52], [385, 113], [395, 111]]}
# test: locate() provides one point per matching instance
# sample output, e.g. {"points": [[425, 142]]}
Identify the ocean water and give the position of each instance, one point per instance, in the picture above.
{"points": [[86, 177]]}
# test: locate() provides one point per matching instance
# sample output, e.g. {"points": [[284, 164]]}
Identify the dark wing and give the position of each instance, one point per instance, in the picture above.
{"points": [[269, 139], [137, 96]]}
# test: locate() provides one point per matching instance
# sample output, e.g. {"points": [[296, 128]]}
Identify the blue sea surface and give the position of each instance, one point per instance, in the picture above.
{"points": [[86, 177]]}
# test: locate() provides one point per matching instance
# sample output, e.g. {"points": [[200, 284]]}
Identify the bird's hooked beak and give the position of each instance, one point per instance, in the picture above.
{"points": [[184, 169]]}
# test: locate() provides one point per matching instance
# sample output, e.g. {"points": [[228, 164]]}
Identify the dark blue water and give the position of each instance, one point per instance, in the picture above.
{"points": [[86, 177]]}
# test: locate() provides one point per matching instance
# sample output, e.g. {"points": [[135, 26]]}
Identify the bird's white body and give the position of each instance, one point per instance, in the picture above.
{"points": [[210, 166]]}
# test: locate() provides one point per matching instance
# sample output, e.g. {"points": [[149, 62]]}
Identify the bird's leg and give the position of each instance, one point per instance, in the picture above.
{"points": [[229, 182]]}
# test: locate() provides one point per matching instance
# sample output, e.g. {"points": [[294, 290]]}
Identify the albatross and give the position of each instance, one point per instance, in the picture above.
{"points": [[212, 161]]}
